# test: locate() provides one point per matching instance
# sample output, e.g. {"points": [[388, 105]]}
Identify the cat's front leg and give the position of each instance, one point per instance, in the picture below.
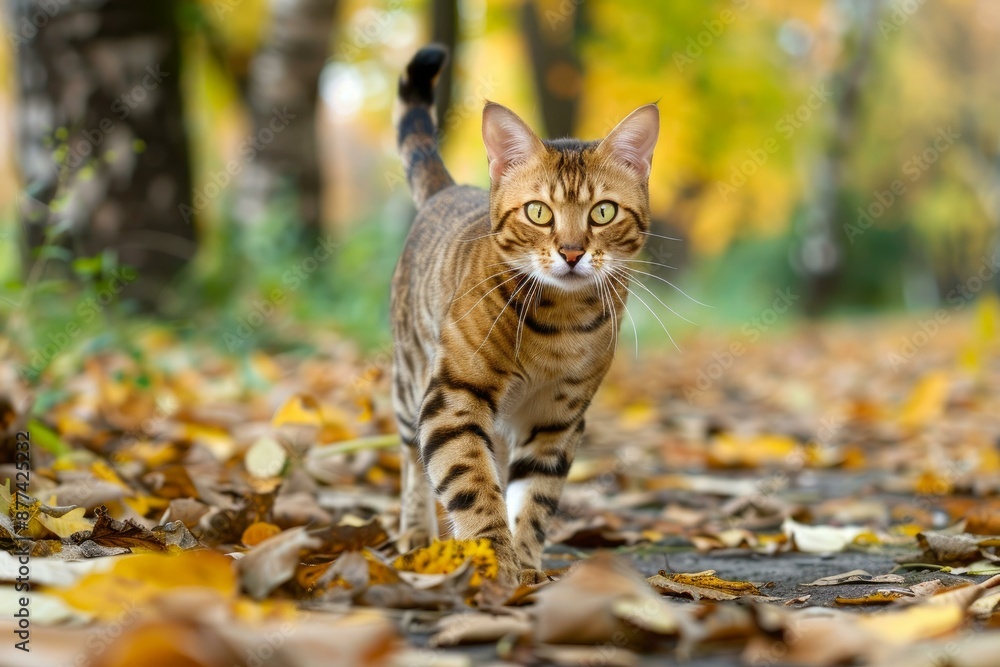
{"points": [[457, 445], [538, 471]]}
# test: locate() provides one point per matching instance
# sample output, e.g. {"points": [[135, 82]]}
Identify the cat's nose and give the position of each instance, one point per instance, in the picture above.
{"points": [[571, 254]]}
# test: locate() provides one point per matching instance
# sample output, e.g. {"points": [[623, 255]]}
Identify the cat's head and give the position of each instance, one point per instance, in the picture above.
{"points": [[566, 210]]}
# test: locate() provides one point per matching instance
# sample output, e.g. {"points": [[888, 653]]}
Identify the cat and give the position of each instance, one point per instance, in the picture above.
{"points": [[506, 307]]}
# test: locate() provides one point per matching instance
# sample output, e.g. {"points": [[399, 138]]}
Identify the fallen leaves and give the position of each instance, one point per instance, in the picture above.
{"points": [[448, 556], [960, 549], [857, 577], [252, 500], [602, 600], [701, 585]]}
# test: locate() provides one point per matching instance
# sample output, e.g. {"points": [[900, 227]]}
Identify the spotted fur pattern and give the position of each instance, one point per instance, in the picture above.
{"points": [[504, 328]]}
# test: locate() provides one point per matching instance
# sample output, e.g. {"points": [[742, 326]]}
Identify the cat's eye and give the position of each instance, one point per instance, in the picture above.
{"points": [[603, 212], [538, 213]]}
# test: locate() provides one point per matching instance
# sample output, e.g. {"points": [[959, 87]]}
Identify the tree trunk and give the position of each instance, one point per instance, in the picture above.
{"points": [[820, 253], [282, 95], [102, 146], [557, 69]]}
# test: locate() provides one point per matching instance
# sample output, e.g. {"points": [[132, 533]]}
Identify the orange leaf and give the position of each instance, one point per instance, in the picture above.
{"points": [[258, 532]]}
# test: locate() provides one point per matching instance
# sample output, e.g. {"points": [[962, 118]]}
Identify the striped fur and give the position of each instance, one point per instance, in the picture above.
{"points": [[504, 328]]}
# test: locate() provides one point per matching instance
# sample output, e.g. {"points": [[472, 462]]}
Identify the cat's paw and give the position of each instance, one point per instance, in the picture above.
{"points": [[530, 577]]}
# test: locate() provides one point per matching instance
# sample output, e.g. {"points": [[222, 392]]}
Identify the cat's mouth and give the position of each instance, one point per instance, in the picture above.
{"points": [[560, 273]]}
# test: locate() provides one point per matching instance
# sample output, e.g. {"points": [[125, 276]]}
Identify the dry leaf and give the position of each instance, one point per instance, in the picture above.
{"points": [[877, 597], [857, 577], [478, 627], [273, 561], [108, 532], [581, 607]]}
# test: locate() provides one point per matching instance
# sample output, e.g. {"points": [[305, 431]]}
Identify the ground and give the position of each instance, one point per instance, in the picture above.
{"points": [[247, 509]]}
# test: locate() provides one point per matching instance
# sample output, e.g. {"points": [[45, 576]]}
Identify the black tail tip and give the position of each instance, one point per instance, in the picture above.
{"points": [[417, 85]]}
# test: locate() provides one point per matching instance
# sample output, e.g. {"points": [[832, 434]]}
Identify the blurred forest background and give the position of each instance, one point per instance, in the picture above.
{"points": [[230, 165]]}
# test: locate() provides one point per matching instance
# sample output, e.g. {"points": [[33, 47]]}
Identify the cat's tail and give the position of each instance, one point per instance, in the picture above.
{"points": [[425, 172]]}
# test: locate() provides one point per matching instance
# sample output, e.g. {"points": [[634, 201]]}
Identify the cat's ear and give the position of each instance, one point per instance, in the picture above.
{"points": [[508, 139], [633, 139]]}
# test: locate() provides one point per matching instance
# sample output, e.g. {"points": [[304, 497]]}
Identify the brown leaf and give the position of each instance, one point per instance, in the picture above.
{"points": [[601, 598], [947, 549], [347, 537], [272, 562], [111, 533], [857, 577], [478, 628]]}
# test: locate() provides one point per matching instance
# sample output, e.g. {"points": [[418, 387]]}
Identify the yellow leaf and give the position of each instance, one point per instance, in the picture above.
{"points": [[447, 556], [67, 524], [931, 483], [707, 579], [299, 410], [731, 450], [101, 470], [926, 402], [637, 415], [134, 580], [878, 597], [216, 439], [916, 623], [988, 318]]}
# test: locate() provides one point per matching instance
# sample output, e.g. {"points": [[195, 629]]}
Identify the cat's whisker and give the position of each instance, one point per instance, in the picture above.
{"points": [[646, 261], [597, 288], [614, 314], [660, 301], [651, 311], [661, 236], [478, 237], [635, 330], [683, 293], [521, 264], [502, 311], [514, 277], [499, 273], [524, 314]]}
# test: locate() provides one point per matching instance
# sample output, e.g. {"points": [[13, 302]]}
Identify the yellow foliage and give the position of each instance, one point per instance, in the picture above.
{"points": [[299, 410], [134, 580], [926, 402], [732, 450], [446, 557]]}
